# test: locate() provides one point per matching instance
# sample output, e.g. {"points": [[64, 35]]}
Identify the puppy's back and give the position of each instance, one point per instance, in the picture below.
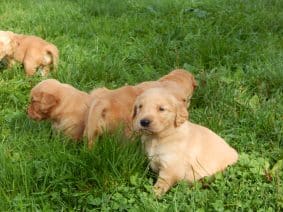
{"points": [[212, 153], [42, 51]]}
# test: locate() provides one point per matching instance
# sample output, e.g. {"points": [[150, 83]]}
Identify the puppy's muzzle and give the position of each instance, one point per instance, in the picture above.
{"points": [[33, 114], [145, 122]]}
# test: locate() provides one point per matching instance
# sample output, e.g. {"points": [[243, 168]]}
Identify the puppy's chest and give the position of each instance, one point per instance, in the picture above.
{"points": [[70, 125], [159, 155]]}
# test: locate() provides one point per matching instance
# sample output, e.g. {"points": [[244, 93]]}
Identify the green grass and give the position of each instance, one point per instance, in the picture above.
{"points": [[233, 47]]}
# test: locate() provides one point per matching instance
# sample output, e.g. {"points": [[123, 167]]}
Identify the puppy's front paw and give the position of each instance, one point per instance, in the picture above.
{"points": [[162, 186], [158, 191]]}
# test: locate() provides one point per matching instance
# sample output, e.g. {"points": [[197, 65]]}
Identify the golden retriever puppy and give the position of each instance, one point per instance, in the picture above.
{"points": [[177, 149], [31, 51], [61, 103], [113, 108]]}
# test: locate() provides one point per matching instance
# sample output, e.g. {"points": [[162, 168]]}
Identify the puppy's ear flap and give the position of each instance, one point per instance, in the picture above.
{"points": [[48, 101], [134, 112], [194, 82], [181, 114]]}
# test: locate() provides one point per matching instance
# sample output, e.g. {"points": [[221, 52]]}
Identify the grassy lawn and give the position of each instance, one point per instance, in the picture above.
{"points": [[233, 47]]}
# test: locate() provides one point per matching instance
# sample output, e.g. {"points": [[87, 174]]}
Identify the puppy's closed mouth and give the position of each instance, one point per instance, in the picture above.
{"points": [[145, 131]]}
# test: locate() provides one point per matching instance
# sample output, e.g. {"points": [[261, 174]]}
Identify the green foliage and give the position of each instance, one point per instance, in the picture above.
{"points": [[234, 48]]}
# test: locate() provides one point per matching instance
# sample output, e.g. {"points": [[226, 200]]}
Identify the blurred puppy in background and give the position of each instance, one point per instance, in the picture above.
{"points": [[113, 108], [62, 104], [6, 44], [179, 82], [31, 51], [177, 149]]}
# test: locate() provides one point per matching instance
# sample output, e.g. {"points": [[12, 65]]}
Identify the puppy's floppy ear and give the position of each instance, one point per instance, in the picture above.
{"points": [[194, 82], [134, 112], [48, 101], [181, 114]]}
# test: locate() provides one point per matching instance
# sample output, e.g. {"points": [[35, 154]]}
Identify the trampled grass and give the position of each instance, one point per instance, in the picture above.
{"points": [[235, 50]]}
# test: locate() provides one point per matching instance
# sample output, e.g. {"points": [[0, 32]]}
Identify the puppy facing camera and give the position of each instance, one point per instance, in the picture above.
{"points": [[177, 149]]}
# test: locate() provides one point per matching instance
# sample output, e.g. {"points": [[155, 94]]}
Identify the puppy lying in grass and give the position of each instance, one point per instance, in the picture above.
{"points": [[61, 103], [177, 149], [113, 108], [31, 51]]}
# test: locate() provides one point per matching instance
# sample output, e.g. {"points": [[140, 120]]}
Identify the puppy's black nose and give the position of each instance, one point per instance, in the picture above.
{"points": [[145, 122]]}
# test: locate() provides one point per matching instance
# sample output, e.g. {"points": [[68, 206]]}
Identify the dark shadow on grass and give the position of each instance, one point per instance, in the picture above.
{"points": [[3, 65]]}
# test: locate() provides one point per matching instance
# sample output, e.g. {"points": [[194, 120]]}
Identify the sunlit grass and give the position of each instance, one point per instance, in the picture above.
{"points": [[235, 50]]}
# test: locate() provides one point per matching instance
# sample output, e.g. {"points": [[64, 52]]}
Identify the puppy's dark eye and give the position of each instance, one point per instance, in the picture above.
{"points": [[161, 108], [140, 106]]}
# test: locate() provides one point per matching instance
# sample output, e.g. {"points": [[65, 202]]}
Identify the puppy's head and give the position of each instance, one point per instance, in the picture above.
{"points": [[6, 44], [44, 99], [2, 52], [156, 110]]}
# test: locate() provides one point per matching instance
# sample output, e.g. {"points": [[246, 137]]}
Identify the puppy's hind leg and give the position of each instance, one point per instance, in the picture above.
{"points": [[91, 139], [11, 63], [45, 71], [95, 121], [30, 67]]}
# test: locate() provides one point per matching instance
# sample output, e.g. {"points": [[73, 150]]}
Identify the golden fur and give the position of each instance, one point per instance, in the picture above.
{"points": [[179, 82], [31, 51], [61, 103], [113, 108], [109, 111], [177, 149]]}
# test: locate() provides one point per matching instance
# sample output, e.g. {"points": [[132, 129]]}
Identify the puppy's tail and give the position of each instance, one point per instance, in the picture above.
{"points": [[95, 121], [54, 53]]}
